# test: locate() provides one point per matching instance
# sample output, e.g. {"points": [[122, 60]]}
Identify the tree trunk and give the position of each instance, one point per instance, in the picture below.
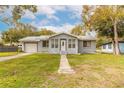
{"points": [[113, 45], [117, 52]]}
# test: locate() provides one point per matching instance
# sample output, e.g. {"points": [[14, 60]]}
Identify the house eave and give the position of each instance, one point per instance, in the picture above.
{"points": [[62, 33]]}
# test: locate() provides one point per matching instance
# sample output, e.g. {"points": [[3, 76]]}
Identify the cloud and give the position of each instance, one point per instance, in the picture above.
{"points": [[50, 13], [41, 23], [62, 28], [51, 10], [29, 15], [76, 11]]}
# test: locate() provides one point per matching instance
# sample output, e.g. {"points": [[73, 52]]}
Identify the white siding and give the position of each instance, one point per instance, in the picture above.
{"points": [[22, 43], [66, 37], [41, 48], [107, 50], [91, 49], [78, 45]]}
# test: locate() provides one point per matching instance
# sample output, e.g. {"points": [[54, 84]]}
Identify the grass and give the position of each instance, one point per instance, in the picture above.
{"points": [[4, 54], [28, 71], [40, 70], [98, 70]]}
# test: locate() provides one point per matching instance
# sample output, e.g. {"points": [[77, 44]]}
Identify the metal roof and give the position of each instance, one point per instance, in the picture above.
{"points": [[63, 33], [111, 42], [38, 38], [86, 38], [34, 38]]}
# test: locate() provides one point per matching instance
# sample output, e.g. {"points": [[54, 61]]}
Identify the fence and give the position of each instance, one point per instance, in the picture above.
{"points": [[8, 48]]}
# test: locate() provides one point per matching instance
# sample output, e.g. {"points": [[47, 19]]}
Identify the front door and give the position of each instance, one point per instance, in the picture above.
{"points": [[63, 45]]}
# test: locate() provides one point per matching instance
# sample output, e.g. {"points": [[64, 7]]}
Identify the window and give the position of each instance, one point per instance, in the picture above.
{"points": [[62, 43], [52, 43], [71, 43], [45, 43], [104, 46], [86, 43], [109, 46], [56, 43]]}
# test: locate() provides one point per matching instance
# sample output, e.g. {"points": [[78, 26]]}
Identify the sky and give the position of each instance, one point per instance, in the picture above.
{"points": [[57, 18]]}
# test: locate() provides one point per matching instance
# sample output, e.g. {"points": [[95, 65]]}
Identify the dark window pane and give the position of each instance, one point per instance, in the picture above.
{"points": [[56, 43], [87, 44], [52, 43], [44, 44], [73, 45], [69, 43], [104, 46], [109, 46]]}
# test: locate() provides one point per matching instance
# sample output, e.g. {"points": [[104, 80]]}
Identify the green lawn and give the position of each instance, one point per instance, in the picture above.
{"points": [[40, 70], [3, 54], [29, 71]]}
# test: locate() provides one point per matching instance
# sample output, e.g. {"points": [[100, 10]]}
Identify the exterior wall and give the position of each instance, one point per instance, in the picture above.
{"points": [[78, 46], [73, 50], [41, 48], [107, 50], [91, 49], [22, 43], [66, 37], [121, 46]]}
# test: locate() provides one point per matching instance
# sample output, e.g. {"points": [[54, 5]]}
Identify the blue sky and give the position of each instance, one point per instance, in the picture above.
{"points": [[57, 18]]}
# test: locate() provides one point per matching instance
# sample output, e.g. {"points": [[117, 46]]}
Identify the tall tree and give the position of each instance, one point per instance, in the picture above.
{"points": [[11, 14], [77, 30], [86, 14], [108, 20], [14, 34]]}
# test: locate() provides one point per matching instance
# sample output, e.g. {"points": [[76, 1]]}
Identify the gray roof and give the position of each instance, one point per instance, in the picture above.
{"points": [[34, 38], [63, 33], [38, 38], [86, 38]]}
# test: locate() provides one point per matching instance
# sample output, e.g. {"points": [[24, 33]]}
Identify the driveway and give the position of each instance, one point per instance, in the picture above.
{"points": [[15, 56]]}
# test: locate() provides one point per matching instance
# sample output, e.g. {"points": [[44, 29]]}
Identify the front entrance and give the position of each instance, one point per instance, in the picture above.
{"points": [[63, 45]]}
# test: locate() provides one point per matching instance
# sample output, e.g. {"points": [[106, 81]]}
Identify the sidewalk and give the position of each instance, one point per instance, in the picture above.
{"points": [[12, 57], [64, 66]]}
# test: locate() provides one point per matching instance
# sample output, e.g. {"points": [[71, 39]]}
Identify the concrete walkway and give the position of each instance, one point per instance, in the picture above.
{"points": [[12, 57], [64, 67]]}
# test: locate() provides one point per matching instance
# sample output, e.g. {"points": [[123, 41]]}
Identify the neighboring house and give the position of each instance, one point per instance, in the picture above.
{"points": [[108, 47], [59, 43]]}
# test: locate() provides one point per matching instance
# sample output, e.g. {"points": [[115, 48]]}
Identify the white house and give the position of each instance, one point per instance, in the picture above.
{"points": [[108, 47], [59, 43]]}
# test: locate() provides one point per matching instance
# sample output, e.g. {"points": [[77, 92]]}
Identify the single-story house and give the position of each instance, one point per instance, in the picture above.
{"points": [[108, 47], [59, 43]]}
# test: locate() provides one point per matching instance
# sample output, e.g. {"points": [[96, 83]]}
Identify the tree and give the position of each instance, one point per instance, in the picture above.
{"points": [[14, 34], [17, 12], [46, 32], [108, 21], [77, 30], [12, 19], [86, 14]]}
